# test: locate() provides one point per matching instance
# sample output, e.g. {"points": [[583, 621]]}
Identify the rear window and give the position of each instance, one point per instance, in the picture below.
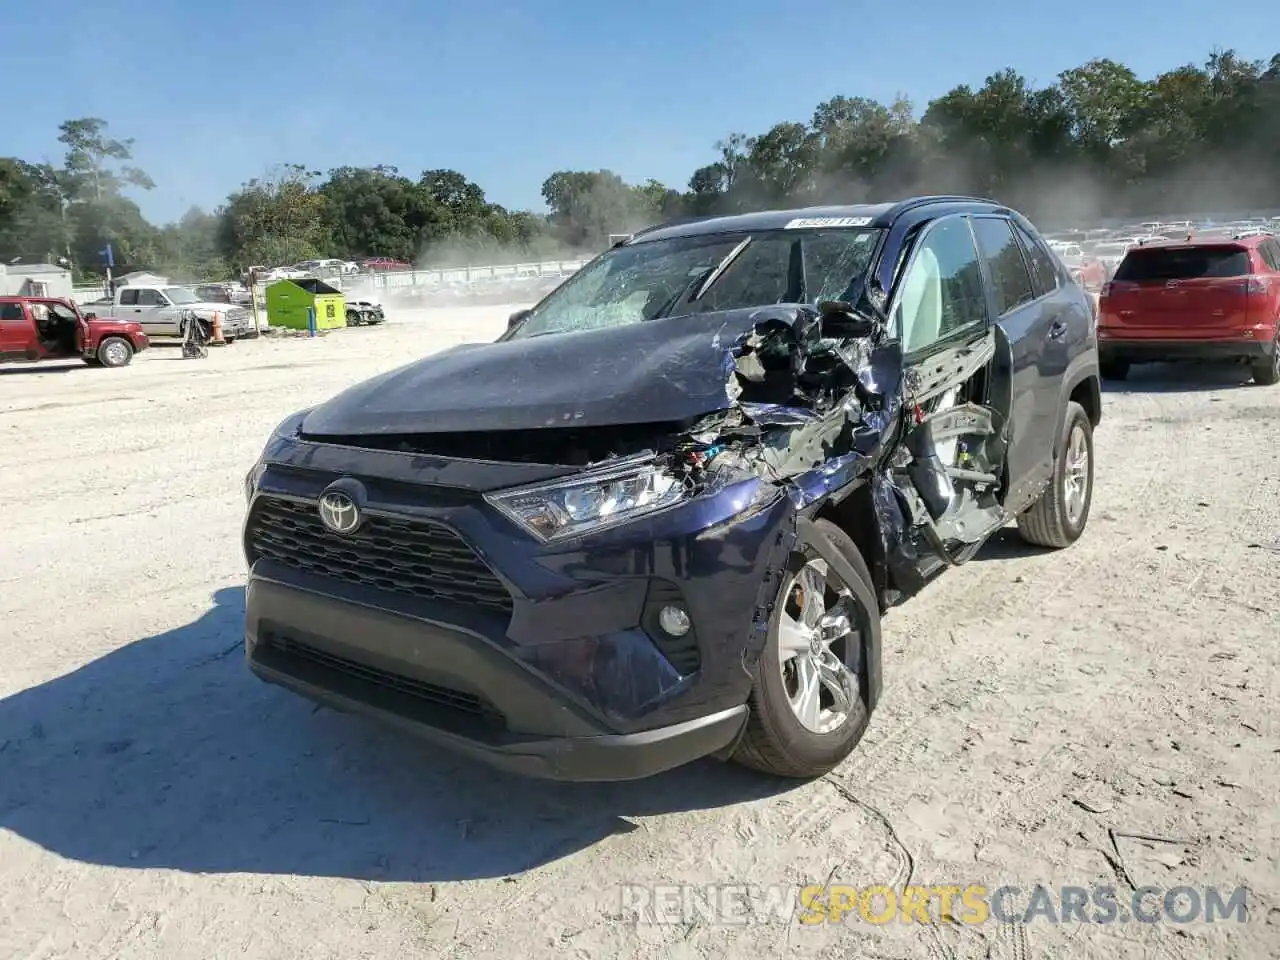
{"points": [[1157, 264]]}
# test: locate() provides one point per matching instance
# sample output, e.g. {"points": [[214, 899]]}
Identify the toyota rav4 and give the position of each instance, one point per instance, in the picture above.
{"points": [[661, 516]]}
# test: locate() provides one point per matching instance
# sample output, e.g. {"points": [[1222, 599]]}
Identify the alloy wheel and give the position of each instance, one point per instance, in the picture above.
{"points": [[1075, 475], [815, 630]]}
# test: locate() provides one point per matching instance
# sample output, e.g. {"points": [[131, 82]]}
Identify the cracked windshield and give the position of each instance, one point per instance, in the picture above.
{"points": [[661, 278]]}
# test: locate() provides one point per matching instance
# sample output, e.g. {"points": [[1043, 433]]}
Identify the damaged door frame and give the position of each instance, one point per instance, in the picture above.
{"points": [[939, 495]]}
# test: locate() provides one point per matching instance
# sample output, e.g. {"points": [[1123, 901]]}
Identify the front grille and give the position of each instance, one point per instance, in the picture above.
{"points": [[418, 558], [431, 693]]}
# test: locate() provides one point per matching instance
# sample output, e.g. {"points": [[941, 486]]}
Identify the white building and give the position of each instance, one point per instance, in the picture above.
{"points": [[34, 280]]}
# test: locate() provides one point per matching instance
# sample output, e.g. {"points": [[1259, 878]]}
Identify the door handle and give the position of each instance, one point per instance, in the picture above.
{"points": [[1057, 329]]}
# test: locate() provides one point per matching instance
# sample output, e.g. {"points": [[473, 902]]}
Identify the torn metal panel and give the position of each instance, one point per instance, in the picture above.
{"points": [[926, 381]]}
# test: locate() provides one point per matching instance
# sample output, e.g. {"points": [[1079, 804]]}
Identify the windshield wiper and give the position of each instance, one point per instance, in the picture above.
{"points": [[718, 272]]}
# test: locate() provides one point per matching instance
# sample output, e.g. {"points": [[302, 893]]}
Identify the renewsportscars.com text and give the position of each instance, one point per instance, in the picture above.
{"points": [[735, 904]]}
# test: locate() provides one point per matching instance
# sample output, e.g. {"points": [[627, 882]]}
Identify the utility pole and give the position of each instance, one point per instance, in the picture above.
{"points": [[109, 260]]}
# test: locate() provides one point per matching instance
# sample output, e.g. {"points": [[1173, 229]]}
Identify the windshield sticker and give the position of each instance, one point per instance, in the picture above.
{"points": [[811, 222]]}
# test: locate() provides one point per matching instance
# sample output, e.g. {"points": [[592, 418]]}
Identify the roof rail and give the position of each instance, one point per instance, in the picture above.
{"points": [[911, 203]]}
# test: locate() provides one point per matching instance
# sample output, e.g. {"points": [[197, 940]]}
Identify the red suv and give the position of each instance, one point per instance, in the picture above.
{"points": [[1198, 300]]}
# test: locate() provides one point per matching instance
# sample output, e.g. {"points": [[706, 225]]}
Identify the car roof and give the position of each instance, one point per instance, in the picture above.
{"points": [[878, 215], [1249, 241]]}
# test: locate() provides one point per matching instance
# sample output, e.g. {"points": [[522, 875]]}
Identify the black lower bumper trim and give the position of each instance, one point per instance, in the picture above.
{"points": [[454, 688], [606, 757], [1166, 351]]}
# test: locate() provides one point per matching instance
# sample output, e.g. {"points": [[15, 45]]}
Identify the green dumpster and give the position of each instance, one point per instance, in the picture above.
{"points": [[289, 300]]}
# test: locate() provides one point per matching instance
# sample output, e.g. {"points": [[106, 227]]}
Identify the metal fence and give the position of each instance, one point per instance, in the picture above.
{"points": [[456, 280], [395, 279], [83, 293]]}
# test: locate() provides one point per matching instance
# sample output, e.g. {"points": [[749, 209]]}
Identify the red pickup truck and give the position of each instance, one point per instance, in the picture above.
{"points": [[42, 328]]}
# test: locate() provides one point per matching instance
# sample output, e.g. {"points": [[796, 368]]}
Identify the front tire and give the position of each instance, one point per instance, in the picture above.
{"points": [[808, 706], [115, 352], [1059, 517]]}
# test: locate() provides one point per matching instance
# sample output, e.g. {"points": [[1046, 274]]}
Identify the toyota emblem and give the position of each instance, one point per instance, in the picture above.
{"points": [[339, 513]]}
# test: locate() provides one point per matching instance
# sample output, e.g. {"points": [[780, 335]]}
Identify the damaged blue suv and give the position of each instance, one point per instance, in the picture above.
{"points": [[661, 517]]}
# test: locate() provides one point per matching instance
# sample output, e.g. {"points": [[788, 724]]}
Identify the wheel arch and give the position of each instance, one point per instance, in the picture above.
{"points": [[855, 514], [1084, 387]]}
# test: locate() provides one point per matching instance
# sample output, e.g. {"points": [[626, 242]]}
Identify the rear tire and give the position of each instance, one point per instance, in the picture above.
{"points": [[1114, 369], [115, 352], [1266, 372], [775, 741], [1059, 517]]}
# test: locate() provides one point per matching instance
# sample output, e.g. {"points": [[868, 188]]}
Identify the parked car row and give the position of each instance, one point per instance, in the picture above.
{"points": [[1093, 254]]}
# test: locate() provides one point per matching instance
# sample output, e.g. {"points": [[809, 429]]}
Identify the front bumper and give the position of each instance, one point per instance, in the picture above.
{"points": [[392, 669], [1167, 351], [542, 659], [242, 327]]}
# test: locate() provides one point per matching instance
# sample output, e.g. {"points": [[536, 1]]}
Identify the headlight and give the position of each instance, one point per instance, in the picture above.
{"points": [[290, 424], [570, 508]]}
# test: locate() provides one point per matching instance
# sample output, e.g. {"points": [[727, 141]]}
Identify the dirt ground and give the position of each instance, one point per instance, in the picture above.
{"points": [[156, 801]]}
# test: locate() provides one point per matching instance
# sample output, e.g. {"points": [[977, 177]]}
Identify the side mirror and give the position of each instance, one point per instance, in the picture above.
{"points": [[842, 321], [91, 316], [517, 318]]}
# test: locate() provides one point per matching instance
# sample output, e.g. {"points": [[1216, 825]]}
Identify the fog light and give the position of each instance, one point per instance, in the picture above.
{"points": [[674, 620]]}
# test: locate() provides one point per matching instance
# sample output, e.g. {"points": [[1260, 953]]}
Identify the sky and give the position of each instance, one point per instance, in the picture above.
{"points": [[214, 94]]}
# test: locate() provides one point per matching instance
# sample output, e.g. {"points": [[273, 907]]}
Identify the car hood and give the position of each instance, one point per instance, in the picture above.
{"points": [[672, 369]]}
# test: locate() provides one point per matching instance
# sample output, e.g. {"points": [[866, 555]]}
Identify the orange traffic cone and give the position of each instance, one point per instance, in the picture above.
{"points": [[217, 339]]}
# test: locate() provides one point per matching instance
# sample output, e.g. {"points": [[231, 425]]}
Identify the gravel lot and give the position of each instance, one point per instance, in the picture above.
{"points": [[156, 801]]}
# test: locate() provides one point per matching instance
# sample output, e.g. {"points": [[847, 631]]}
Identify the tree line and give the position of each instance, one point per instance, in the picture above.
{"points": [[1098, 142]]}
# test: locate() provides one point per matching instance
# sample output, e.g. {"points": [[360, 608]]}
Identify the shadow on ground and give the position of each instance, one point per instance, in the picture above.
{"points": [[19, 368], [167, 753], [1006, 544], [1181, 378]]}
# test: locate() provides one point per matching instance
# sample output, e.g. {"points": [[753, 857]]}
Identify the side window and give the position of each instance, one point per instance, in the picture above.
{"points": [[941, 294], [149, 298], [1004, 259], [1044, 273], [12, 312], [128, 298]]}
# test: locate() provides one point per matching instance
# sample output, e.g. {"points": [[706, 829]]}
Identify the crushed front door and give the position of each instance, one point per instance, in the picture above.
{"points": [[950, 466]]}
